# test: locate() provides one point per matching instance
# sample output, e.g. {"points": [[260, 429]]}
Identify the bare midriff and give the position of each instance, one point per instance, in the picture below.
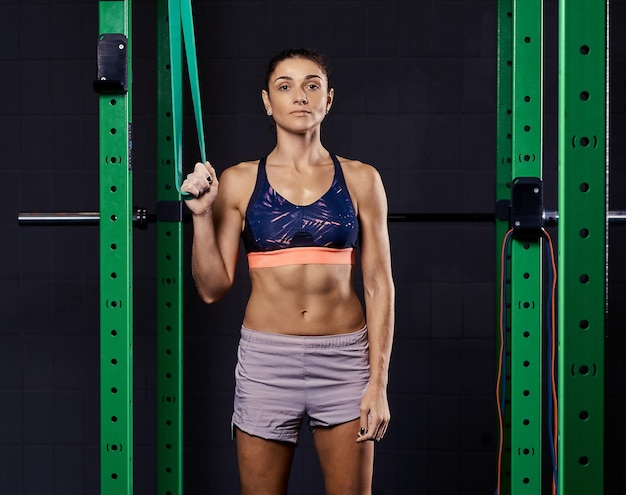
{"points": [[304, 300]]}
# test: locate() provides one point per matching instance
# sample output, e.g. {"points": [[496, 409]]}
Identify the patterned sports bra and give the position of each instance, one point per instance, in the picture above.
{"points": [[278, 233]]}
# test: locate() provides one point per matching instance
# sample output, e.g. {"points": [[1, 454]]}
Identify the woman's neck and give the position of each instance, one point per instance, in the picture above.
{"points": [[298, 149]]}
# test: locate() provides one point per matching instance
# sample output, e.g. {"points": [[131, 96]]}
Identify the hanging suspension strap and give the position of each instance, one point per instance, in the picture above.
{"points": [[181, 23]]}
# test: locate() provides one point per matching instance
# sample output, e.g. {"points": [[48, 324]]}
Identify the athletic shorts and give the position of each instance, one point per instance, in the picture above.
{"points": [[280, 379]]}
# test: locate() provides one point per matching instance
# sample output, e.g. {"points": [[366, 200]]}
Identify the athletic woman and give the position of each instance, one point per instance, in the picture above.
{"points": [[308, 349]]}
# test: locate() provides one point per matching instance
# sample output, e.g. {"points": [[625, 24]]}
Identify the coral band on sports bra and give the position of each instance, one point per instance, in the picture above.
{"points": [[301, 256], [278, 232]]}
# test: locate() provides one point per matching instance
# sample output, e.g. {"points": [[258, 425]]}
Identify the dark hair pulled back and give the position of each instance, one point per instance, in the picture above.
{"points": [[311, 55]]}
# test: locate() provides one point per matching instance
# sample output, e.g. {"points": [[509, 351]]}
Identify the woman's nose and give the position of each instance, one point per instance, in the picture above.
{"points": [[301, 97]]}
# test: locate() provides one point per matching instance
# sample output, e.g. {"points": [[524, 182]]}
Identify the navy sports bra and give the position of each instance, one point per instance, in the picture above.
{"points": [[273, 223]]}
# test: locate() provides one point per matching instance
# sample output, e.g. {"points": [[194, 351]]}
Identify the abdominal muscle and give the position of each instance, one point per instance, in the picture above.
{"points": [[304, 300]]}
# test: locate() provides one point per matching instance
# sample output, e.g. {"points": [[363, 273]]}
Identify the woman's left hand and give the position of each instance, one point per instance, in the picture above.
{"points": [[375, 414]]}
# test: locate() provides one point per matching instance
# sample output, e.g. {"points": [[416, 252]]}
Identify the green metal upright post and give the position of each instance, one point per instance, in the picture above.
{"points": [[503, 196], [526, 273], [116, 248], [582, 243], [169, 281]]}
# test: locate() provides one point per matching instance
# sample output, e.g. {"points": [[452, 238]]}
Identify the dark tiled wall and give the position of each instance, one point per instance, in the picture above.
{"points": [[415, 96]]}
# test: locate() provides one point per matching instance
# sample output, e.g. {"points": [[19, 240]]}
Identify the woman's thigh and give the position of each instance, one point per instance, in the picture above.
{"points": [[347, 466], [263, 464]]}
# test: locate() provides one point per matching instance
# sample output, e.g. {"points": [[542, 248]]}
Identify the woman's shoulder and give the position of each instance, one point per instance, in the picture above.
{"points": [[356, 170], [237, 181], [242, 172], [242, 168]]}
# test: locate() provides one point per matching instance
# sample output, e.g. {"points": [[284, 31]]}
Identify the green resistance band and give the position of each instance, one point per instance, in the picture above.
{"points": [[181, 22]]}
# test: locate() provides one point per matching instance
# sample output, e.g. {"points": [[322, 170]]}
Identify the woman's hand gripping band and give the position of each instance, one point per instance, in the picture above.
{"points": [[202, 183]]}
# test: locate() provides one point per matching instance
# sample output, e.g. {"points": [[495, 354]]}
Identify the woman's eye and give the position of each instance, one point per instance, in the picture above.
{"points": [[313, 86], [284, 87]]}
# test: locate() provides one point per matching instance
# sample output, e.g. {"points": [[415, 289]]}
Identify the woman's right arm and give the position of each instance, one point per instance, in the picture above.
{"points": [[217, 223]]}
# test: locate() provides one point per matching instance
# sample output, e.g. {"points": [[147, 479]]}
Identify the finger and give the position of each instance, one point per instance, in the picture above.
{"points": [[375, 432], [196, 187], [380, 432], [187, 187], [205, 174], [201, 168], [212, 174], [362, 435], [209, 167], [378, 426], [382, 429], [204, 169], [193, 191], [367, 433]]}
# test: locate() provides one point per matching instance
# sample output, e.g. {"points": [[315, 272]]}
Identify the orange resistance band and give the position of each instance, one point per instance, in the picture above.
{"points": [[301, 256]]}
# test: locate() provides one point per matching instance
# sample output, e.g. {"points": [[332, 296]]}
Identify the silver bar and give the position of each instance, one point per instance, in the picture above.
{"points": [[140, 218], [79, 217], [616, 216], [551, 217]]}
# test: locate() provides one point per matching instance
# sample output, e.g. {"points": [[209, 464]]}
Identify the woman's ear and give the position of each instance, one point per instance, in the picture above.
{"points": [[331, 97], [266, 102]]}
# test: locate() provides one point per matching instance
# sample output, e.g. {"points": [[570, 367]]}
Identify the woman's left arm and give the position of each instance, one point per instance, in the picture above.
{"points": [[379, 293]]}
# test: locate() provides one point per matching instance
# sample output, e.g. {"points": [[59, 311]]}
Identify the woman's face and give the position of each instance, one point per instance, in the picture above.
{"points": [[298, 97]]}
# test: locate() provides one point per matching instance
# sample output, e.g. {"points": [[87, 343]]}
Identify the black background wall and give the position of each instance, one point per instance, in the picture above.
{"points": [[415, 96]]}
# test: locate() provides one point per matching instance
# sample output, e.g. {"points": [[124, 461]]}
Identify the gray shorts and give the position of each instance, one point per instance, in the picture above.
{"points": [[281, 378]]}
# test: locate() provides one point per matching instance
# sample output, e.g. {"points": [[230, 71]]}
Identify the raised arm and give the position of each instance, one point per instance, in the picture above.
{"points": [[217, 223]]}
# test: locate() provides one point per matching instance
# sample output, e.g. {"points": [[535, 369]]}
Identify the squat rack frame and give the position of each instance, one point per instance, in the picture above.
{"points": [[583, 242], [583, 222], [114, 85], [583, 230]]}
